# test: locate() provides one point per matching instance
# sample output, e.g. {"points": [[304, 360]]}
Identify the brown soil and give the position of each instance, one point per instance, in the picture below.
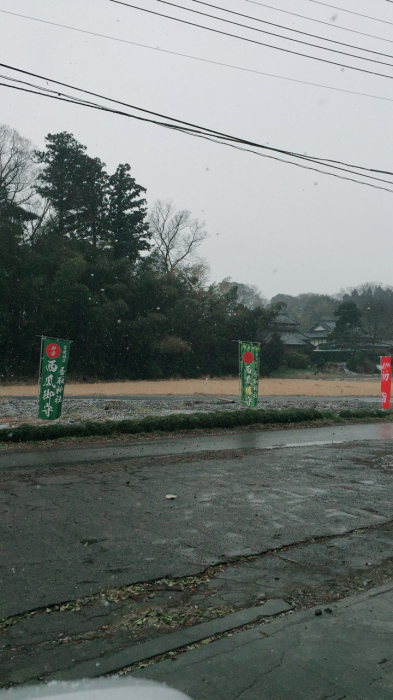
{"points": [[214, 387]]}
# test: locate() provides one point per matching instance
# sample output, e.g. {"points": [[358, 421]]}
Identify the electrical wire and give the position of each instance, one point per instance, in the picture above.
{"points": [[195, 130], [198, 58], [205, 136], [305, 167], [189, 124], [280, 26], [350, 12], [253, 41], [279, 36], [45, 89], [320, 21]]}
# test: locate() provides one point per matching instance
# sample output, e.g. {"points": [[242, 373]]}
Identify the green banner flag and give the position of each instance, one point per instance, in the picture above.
{"points": [[249, 373], [54, 360]]}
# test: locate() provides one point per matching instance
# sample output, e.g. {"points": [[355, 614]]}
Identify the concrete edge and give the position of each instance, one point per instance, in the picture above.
{"points": [[360, 597], [110, 663]]}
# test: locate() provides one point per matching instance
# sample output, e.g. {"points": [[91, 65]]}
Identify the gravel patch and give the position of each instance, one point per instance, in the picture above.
{"points": [[16, 411]]}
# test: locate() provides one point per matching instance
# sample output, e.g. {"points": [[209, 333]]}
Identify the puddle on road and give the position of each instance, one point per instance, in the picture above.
{"points": [[315, 443]]}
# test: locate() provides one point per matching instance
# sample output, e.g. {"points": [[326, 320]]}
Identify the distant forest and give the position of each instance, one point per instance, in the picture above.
{"points": [[83, 258], [374, 301]]}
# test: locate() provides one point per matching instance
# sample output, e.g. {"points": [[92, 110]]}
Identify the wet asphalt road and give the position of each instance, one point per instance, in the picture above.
{"points": [[75, 521], [242, 441]]}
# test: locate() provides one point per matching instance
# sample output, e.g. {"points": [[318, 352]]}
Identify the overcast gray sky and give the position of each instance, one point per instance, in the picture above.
{"points": [[273, 225]]}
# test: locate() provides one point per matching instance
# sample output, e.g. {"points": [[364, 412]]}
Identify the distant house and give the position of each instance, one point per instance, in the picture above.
{"points": [[318, 333], [287, 328]]}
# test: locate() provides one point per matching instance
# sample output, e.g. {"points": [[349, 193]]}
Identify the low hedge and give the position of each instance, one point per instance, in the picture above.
{"points": [[297, 360], [179, 422]]}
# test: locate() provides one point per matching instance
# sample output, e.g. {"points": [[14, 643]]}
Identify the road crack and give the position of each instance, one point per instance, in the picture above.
{"points": [[202, 576]]}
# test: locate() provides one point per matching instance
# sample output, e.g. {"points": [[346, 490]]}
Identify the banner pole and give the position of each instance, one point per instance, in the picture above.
{"points": [[240, 374], [40, 368]]}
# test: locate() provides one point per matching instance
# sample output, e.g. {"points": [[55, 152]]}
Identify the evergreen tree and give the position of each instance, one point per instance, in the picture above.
{"points": [[76, 187], [127, 225], [91, 223], [61, 180], [375, 302], [348, 330]]}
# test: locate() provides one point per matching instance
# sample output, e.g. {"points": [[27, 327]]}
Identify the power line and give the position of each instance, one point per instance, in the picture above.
{"points": [[93, 94], [253, 41], [198, 58], [279, 36], [194, 129], [178, 121], [350, 12], [204, 135], [45, 89], [280, 26], [320, 21], [305, 167]]}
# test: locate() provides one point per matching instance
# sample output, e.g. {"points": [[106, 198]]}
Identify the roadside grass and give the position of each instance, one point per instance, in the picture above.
{"points": [[187, 423]]}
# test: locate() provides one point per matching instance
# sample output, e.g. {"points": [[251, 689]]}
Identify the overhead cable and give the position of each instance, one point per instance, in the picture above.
{"points": [[184, 123], [350, 12], [319, 21], [254, 41], [279, 36], [195, 130], [273, 24], [203, 135], [199, 58]]}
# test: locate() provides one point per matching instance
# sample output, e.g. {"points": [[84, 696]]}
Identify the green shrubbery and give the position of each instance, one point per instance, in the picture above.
{"points": [[179, 422], [363, 363], [272, 355], [297, 360]]}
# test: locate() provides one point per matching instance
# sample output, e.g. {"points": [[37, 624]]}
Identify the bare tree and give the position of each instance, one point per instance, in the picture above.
{"points": [[175, 234], [17, 169], [375, 302], [249, 295]]}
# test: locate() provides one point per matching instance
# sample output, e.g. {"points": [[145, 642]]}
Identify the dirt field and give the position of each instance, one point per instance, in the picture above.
{"points": [[214, 387]]}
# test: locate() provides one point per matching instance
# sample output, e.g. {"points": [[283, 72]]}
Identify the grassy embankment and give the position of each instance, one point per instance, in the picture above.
{"points": [[186, 422]]}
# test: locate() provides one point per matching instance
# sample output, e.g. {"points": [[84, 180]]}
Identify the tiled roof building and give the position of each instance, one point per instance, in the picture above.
{"points": [[318, 333], [287, 329]]}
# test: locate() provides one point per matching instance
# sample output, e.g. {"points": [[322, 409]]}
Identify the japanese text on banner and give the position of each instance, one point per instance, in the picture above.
{"points": [[249, 374], [55, 354], [386, 382]]}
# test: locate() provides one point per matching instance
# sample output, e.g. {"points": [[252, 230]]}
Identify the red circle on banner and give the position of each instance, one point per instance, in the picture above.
{"points": [[248, 358], [53, 351]]}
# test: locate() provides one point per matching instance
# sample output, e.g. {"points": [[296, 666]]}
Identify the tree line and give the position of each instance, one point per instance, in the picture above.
{"points": [[83, 259], [371, 304]]}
